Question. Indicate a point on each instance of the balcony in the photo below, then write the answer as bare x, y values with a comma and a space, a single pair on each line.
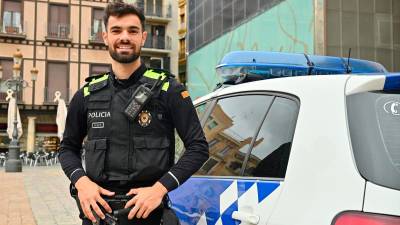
159, 13
160, 44
3, 96
49, 95
12, 31
58, 32
96, 37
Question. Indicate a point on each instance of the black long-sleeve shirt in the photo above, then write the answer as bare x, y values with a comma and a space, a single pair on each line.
183, 116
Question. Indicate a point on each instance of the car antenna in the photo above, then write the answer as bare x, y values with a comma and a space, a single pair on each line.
347, 65
310, 64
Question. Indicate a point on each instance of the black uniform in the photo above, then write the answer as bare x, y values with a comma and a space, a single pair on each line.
123, 154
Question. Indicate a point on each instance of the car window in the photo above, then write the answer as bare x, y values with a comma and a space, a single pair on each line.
179, 146
229, 129
270, 153
374, 125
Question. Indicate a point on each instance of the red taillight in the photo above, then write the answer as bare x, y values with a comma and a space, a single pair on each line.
360, 218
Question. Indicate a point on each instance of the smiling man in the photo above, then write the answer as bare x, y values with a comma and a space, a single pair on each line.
128, 117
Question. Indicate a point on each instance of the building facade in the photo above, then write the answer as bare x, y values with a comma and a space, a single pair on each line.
371, 28
63, 40
182, 40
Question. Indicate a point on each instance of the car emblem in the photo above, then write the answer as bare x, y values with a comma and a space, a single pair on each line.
392, 107
144, 118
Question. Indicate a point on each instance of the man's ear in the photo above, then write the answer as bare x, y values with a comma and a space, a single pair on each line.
105, 38
144, 37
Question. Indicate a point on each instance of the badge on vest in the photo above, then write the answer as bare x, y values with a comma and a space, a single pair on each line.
144, 118
98, 125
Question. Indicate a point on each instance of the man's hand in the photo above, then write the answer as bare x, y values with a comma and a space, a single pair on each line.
146, 200
89, 193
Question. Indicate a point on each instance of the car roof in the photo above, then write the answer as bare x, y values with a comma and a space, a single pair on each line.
297, 86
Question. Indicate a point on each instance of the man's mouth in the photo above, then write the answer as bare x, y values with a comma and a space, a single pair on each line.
124, 47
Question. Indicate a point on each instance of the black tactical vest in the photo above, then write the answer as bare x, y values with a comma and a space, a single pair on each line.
118, 149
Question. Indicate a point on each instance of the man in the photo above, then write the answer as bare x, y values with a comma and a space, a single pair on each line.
128, 154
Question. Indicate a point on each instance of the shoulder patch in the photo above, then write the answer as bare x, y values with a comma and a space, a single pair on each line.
93, 77
97, 86
158, 70
96, 83
185, 94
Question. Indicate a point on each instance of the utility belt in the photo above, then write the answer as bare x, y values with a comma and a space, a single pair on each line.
119, 215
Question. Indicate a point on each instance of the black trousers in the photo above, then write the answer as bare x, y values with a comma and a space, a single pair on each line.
153, 219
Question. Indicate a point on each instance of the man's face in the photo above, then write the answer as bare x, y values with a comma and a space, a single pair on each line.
124, 38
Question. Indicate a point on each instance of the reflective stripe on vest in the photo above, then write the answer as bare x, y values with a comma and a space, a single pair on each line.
100, 79
154, 75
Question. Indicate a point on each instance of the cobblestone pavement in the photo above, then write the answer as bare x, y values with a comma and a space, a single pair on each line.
39, 195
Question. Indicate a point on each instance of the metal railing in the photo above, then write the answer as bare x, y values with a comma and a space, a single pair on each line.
49, 96
163, 10
96, 36
13, 29
158, 42
4, 95
58, 31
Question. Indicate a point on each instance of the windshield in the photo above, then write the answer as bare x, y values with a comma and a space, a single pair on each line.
374, 123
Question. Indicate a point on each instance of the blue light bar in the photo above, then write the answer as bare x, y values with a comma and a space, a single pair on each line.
392, 82
278, 64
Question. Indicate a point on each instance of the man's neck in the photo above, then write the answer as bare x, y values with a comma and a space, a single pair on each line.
124, 71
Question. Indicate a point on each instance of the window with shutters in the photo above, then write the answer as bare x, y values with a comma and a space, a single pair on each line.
57, 80
12, 17
58, 26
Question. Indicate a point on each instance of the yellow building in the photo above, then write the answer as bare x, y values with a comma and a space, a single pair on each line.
62, 39
182, 40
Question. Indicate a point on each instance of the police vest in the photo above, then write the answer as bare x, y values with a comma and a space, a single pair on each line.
118, 149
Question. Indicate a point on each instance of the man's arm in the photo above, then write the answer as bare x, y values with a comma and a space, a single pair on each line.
187, 124
75, 132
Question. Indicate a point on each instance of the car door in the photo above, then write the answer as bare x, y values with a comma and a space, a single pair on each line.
249, 138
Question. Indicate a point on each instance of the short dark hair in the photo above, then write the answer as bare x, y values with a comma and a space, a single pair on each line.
119, 8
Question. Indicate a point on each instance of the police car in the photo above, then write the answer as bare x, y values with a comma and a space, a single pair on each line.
321, 149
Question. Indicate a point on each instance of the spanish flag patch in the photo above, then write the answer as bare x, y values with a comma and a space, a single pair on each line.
185, 94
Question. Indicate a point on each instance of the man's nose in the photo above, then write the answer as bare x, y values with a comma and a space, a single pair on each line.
124, 35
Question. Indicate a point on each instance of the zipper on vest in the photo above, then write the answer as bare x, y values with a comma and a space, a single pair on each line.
131, 167
130, 153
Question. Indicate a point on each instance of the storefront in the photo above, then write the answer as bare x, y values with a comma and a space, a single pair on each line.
46, 137
39, 127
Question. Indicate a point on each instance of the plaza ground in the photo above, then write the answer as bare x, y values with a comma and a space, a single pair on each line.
37, 196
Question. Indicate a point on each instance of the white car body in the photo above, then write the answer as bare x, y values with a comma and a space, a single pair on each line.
322, 179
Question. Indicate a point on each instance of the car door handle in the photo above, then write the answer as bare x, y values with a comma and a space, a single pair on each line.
245, 218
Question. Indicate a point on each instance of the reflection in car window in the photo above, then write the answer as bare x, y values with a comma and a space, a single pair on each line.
179, 147
201, 109
229, 130
270, 153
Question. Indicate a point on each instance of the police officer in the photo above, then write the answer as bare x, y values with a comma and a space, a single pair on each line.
128, 154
